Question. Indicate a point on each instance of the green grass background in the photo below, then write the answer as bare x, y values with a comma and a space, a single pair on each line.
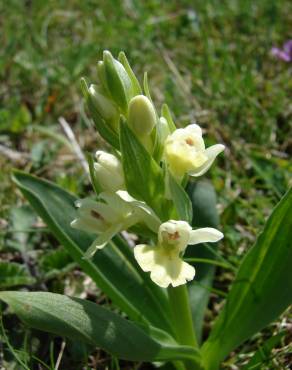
209, 60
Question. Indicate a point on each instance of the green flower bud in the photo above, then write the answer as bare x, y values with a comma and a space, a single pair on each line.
142, 116
105, 107
118, 81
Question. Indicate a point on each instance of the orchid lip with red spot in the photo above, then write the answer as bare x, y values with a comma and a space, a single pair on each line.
164, 260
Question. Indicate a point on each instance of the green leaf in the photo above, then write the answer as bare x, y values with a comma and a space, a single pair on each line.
83, 320
118, 81
180, 199
165, 112
13, 274
157, 139
262, 289
144, 177
270, 172
113, 268
263, 354
135, 83
203, 199
146, 87
94, 181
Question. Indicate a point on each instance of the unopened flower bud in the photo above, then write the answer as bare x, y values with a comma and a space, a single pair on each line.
105, 107
109, 171
142, 117
118, 81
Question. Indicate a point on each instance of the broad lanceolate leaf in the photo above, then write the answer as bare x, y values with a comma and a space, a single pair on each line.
203, 198
144, 178
113, 268
262, 289
82, 320
180, 199
13, 274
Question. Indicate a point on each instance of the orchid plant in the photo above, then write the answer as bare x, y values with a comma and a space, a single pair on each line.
147, 184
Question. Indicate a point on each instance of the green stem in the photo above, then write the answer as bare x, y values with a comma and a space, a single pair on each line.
182, 319
182, 315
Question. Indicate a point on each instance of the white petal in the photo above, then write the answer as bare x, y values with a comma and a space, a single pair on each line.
109, 214
205, 235
85, 203
116, 203
194, 129
173, 272
88, 225
211, 153
96, 212
102, 240
178, 233
176, 135
160, 277
88, 207
151, 220
149, 259
144, 212
125, 196
165, 271
187, 273
145, 256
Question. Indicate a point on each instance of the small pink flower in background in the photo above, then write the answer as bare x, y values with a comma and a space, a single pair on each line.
285, 53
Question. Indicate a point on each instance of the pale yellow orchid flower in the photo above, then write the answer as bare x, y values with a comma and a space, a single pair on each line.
114, 213
164, 260
185, 152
